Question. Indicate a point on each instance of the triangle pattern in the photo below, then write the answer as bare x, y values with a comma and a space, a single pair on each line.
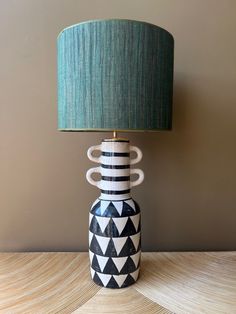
104, 205
135, 220
128, 210
94, 226
128, 281
97, 280
91, 256
136, 240
129, 267
95, 247
128, 248
139, 226
90, 218
137, 208
102, 260
103, 222
118, 206
112, 284
111, 230
96, 210
111, 211
111, 268
129, 228
92, 271
119, 262
104, 278
120, 279
130, 202
135, 274
90, 237
111, 250
95, 203
95, 264
119, 243
136, 258
103, 242
120, 223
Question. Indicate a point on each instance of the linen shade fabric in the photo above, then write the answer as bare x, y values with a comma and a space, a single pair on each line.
115, 75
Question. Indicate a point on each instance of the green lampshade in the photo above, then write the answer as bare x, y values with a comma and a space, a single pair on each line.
115, 75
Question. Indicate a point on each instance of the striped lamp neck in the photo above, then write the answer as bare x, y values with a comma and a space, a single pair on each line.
115, 170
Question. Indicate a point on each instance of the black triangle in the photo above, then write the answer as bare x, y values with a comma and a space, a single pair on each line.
95, 264
128, 248
112, 284
129, 229
139, 226
95, 247
128, 281
94, 226
96, 209
110, 268
97, 280
111, 230
137, 208
127, 210
111, 250
111, 211
129, 267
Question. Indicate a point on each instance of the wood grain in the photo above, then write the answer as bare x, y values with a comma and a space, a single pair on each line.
38, 283
44, 282
122, 301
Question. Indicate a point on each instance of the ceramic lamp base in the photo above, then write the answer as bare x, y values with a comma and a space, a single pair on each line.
114, 219
114, 242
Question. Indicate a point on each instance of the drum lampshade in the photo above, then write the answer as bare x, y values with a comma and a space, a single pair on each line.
115, 75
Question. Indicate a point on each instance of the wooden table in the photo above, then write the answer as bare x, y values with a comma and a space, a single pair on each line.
186, 283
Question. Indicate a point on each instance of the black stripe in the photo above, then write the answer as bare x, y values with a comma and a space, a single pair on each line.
113, 154
117, 141
106, 178
115, 166
115, 192
125, 199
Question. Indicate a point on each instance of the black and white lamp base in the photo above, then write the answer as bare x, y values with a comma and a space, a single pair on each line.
114, 219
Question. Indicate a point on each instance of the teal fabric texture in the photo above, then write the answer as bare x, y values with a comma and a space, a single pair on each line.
115, 75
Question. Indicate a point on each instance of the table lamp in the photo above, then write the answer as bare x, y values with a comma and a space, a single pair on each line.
115, 75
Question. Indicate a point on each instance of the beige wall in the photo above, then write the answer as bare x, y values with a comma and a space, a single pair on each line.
188, 199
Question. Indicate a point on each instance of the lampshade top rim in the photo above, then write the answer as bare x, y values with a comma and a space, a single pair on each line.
113, 19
